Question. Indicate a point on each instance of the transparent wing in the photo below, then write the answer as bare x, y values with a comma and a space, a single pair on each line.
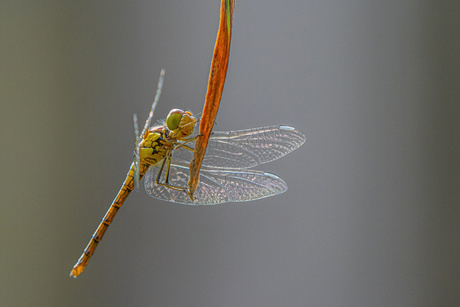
242, 149
216, 186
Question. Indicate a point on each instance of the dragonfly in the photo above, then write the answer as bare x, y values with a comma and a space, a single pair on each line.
163, 153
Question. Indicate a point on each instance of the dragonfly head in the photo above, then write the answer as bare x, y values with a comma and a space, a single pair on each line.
180, 123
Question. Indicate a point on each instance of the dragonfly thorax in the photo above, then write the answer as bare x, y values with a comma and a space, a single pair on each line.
154, 146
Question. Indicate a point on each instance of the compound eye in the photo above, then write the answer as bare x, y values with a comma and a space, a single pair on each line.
173, 119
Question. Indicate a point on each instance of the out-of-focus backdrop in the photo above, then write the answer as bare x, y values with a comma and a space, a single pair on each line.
372, 214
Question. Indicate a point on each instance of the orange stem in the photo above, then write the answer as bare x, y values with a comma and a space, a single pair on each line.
216, 82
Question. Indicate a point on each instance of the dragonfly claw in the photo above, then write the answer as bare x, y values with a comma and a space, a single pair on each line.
190, 195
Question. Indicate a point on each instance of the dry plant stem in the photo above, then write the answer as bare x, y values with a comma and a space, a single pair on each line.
216, 82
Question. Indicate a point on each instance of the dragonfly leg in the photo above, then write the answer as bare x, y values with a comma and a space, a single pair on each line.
167, 161
187, 147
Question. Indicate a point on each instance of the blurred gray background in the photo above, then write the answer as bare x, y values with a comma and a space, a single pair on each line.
372, 215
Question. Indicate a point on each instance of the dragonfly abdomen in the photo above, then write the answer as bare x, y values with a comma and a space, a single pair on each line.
126, 188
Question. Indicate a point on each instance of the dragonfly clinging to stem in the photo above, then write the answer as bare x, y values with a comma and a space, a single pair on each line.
163, 153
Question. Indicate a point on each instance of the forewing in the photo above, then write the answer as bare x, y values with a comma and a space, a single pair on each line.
216, 186
242, 149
